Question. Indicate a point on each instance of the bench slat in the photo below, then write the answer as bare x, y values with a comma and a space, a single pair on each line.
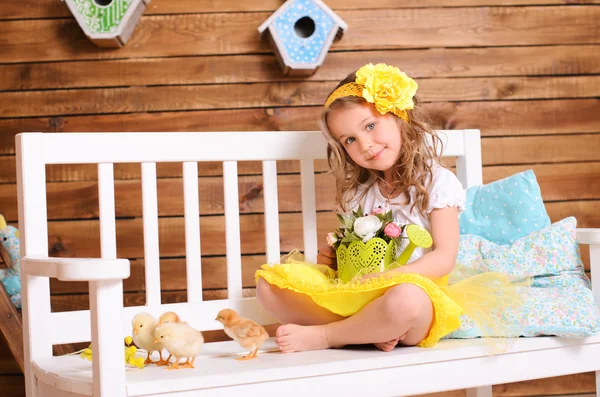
232, 230
150, 217
271, 211
106, 209
192, 232
309, 214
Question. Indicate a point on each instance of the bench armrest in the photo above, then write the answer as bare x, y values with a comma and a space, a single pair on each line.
588, 236
76, 269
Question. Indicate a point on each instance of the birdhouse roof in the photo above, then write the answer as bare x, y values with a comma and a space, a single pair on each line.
289, 3
100, 21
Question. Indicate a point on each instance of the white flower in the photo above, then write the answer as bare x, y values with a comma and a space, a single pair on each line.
367, 224
368, 237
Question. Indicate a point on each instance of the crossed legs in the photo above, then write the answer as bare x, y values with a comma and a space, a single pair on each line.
402, 315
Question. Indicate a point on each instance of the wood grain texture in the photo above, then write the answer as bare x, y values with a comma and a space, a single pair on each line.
236, 33
12, 327
71, 238
12, 385
8, 364
502, 118
50, 9
493, 118
79, 200
420, 63
206, 97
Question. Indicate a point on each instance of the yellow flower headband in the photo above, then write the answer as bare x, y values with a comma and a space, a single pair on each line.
389, 89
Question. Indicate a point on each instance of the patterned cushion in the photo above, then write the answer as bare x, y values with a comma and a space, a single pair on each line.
548, 251
560, 302
564, 307
505, 210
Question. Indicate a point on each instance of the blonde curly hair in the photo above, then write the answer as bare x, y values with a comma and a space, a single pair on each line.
413, 167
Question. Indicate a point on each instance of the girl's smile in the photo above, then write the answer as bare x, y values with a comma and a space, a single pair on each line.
377, 155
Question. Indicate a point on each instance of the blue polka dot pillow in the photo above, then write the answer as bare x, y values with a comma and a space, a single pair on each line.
505, 210
561, 301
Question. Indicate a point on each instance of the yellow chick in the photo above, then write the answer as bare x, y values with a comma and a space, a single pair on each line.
181, 341
246, 332
143, 326
168, 317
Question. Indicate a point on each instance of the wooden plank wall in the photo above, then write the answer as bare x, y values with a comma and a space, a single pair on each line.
525, 72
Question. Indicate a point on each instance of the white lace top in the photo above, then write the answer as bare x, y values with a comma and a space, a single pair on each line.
445, 190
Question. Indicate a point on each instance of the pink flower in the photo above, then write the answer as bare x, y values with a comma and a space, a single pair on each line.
332, 238
378, 211
392, 230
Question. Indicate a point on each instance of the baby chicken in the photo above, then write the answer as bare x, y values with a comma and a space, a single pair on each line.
144, 325
181, 341
246, 332
168, 317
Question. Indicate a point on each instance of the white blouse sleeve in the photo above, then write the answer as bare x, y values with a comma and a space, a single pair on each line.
445, 190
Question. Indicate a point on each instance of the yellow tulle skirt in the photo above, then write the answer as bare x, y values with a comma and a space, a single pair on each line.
474, 296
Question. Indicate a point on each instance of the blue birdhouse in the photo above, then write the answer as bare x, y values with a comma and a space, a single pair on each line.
107, 23
301, 32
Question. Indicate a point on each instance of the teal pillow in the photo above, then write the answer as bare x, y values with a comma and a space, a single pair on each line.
505, 210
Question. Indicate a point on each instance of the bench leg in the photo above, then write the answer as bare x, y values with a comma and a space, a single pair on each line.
485, 391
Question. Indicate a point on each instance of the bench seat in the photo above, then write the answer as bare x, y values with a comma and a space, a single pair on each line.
458, 364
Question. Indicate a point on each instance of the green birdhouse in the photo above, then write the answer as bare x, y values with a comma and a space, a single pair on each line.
107, 23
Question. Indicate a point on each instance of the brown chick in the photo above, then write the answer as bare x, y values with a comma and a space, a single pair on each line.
246, 332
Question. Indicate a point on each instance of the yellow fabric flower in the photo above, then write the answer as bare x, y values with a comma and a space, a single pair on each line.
389, 89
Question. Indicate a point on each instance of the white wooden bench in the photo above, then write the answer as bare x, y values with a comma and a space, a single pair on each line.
452, 364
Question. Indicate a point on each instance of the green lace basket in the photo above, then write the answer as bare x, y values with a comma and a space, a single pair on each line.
376, 255
361, 258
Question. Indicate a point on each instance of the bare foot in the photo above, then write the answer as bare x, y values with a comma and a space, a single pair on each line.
387, 346
298, 338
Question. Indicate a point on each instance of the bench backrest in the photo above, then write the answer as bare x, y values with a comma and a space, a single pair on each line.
36, 150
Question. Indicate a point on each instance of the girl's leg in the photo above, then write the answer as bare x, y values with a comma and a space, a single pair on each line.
291, 307
403, 310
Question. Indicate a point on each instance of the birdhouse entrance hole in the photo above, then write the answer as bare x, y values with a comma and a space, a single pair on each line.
103, 3
304, 27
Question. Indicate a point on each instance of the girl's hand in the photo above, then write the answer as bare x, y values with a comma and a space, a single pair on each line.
387, 273
327, 256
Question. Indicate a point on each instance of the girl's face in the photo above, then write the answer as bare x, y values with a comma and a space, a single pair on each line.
370, 138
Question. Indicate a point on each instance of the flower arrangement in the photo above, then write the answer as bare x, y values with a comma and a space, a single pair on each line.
365, 243
358, 226
368, 243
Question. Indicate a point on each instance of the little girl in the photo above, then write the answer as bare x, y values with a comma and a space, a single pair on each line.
383, 155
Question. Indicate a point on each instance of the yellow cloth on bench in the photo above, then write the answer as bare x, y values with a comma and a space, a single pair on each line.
474, 296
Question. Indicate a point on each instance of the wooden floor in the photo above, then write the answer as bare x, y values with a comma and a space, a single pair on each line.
525, 72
